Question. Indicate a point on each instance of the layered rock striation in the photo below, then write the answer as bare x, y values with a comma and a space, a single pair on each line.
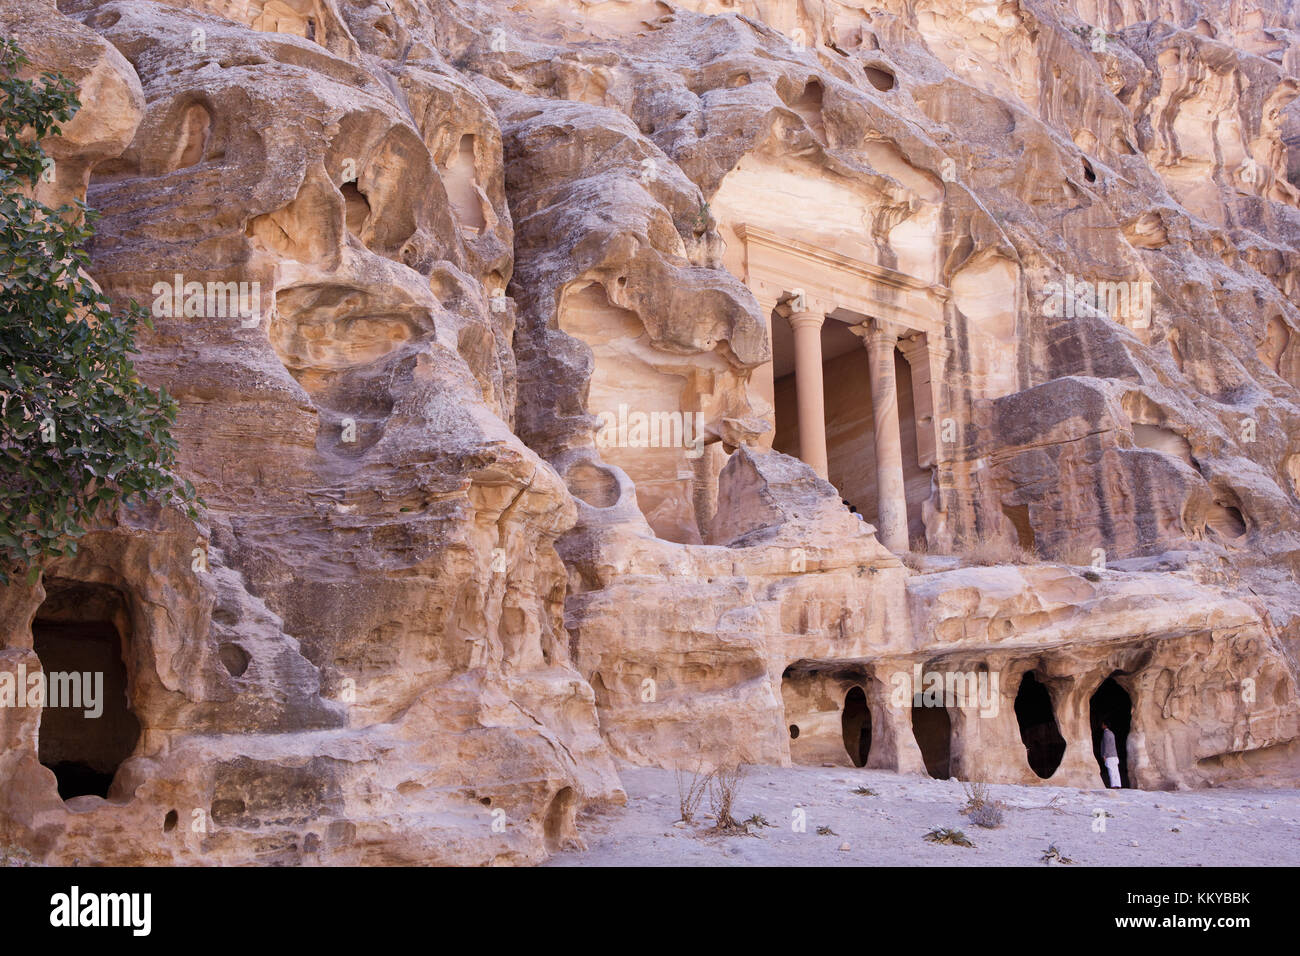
534, 360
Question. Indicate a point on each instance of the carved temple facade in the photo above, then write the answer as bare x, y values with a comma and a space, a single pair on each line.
830, 318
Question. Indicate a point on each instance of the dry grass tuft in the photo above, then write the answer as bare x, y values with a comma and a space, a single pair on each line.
995, 551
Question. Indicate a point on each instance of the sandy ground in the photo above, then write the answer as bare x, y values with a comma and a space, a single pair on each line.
1144, 828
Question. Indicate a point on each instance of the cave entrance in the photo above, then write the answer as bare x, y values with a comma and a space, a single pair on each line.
1112, 704
87, 728
932, 729
856, 723
1044, 745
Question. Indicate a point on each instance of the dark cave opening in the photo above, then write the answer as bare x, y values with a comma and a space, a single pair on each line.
1039, 732
1112, 704
856, 723
932, 729
87, 728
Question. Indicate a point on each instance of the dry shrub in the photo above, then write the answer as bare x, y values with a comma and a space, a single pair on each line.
914, 556
724, 786
977, 795
977, 551
982, 809
690, 791
913, 560
993, 551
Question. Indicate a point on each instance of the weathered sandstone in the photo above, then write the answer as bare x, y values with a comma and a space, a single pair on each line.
501, 460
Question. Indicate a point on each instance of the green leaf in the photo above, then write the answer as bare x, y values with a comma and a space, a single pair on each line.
64, 354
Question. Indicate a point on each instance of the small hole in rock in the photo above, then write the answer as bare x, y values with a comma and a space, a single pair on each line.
234, 658
356, 208
881, 78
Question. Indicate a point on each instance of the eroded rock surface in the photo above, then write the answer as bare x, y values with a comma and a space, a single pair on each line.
494, 391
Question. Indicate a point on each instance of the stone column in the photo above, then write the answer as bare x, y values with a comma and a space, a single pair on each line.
891, 493
808, 388
762, 380
926, 363
704, 494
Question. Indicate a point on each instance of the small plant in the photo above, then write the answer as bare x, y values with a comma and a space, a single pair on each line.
982, 809
1054, 855
15, 856
949, 837
995, 551
1091, 576
703, 217
977, 795
724, 786
989, 816
826, 831
758, 822
865, 792
986, 552
690, 791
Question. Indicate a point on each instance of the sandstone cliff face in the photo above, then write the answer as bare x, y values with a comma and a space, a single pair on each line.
441, 584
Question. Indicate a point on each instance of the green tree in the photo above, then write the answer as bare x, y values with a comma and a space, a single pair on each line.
79, 431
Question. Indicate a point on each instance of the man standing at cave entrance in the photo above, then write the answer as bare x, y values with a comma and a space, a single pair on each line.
1110, 755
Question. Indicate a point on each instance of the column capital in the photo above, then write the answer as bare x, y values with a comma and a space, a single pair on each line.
914, 343
917, 343
876, 332
800, 320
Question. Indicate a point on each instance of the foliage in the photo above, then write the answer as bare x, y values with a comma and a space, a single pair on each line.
79, 431
948, 836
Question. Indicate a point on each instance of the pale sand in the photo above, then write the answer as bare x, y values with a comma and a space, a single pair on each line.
1146, 828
